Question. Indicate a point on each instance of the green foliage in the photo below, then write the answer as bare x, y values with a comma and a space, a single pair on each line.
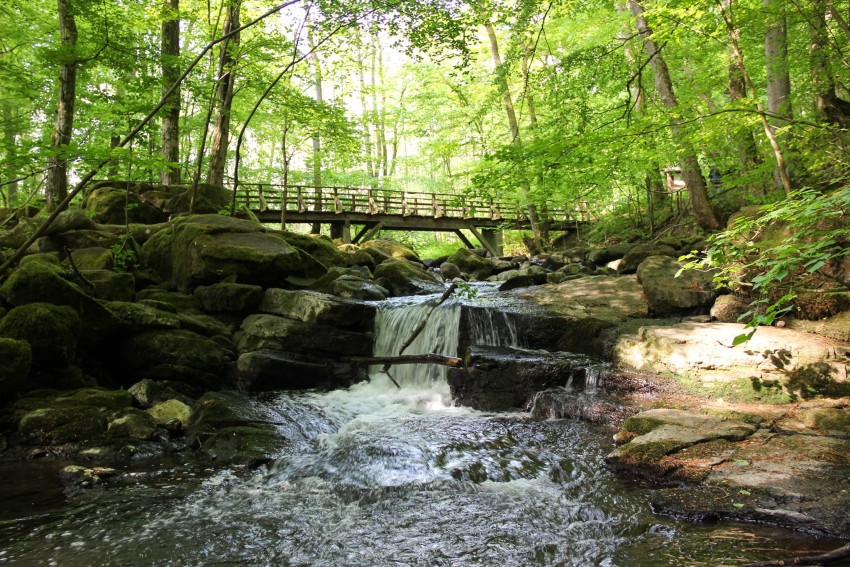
768, 252
126, 259
466, 290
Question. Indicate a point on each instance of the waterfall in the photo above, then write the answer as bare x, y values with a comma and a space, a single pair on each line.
395, 323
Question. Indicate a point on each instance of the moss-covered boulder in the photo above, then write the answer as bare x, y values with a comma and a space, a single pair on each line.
668, 291
641, 252
406, 278
319, 247
354, 287
15, 368
42, 280
54, 426
179, 355
173, 301
114, 203
94, 258
230, 429
133, 424
169, 410
111, 286
229, 298
270, 332
206, 249
472, 264
52, 332
394, 249
147, 393
136, 317
314, 307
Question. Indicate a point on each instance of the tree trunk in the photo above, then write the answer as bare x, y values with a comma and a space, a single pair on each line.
317, 141
732, 32
831, 108
691, 173
367, 136
514, 125
778, 77
11, 131
224, 96
57, 173
170, 73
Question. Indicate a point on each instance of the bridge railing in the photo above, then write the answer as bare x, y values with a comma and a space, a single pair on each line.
372, 201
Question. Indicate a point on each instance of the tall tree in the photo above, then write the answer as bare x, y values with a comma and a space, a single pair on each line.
507, 100
778, 75
691, 173
224, 94
63, 125
170, 54
317, 139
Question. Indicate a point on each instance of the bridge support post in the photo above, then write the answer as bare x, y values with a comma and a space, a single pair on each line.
491, 240
342, 230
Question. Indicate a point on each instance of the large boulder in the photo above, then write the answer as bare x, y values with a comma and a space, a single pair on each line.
728, 309
94, 258
270, 332
227, 427
206, 249
319, 247
641, 252
271, 370
472, 264
51, 330
354, 287
774, 366
41, 279
109, 285
175, 354
504, 378
314, 307
668, 291
114, 204
392, 248
137, 317
229, 298
57, 425
17, 359
406, 278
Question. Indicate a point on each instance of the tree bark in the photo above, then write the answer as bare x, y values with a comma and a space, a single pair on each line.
11, 130
170, 73
57, 173
778, 77
514, 126
831, 108
732, 32
317, 141
367, 135
224, 96
691, 173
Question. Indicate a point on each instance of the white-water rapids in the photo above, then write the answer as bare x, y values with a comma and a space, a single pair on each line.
379, 476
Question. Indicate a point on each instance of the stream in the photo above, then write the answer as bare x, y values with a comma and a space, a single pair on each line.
378, 476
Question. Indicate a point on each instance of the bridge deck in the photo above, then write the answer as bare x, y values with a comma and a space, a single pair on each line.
379, 209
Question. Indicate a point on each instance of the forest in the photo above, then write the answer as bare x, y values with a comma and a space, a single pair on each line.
547, 104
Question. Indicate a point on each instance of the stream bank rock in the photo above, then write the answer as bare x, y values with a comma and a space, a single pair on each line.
775, 366
735, 466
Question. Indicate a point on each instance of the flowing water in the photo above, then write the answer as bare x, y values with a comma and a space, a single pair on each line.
381, 476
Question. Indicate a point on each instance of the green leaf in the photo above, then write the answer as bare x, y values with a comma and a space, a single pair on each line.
741, 339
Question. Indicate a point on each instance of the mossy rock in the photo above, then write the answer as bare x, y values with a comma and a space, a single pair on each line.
394, 249
137, 317
175, 301
169, 410
313, 307
641, 425
270, 332
134, 424
641, 252
179, 354
98, 398
51, 330
319, 247
114, 204
147, 393
472, 264
111, 286
94, 258
405, 278
54, 426
353, 287
246, 444
229, 298
208, 199
42, 280
15, 368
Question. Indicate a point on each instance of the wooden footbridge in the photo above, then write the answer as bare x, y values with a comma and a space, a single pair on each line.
378, 209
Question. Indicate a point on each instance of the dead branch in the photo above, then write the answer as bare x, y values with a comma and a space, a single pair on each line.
429, 358
823, 559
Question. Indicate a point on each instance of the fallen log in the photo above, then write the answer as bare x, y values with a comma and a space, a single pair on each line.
828, 558
430, 358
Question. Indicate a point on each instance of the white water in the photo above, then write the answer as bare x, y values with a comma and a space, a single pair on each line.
381, 476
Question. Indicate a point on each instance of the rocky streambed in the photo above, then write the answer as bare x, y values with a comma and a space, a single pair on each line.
113, 367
